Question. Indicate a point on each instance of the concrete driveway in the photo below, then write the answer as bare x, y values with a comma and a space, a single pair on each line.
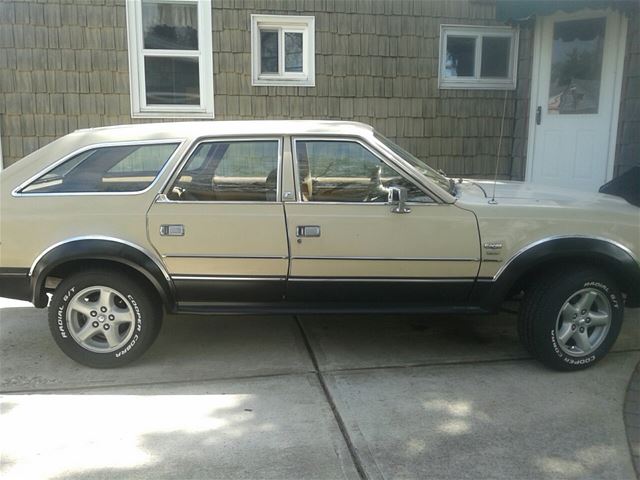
313, 397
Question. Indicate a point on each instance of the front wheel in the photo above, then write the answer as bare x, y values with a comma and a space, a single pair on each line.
571, 320
103, 319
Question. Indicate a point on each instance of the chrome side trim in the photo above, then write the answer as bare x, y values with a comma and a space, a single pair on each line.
383, 279
399, 259
179, 141
506, 264
249, 257
101, 237
323, 279
225, 278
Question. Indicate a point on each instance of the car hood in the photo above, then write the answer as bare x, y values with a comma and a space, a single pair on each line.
512, 192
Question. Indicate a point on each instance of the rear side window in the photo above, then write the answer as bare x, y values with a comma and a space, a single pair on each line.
233, 171
126, 168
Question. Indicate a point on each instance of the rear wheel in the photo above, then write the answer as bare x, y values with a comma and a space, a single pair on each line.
103, 319
570, 320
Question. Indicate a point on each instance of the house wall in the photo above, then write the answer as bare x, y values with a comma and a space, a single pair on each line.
628, 144
64, 65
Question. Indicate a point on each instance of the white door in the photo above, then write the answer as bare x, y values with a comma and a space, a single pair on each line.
575, 98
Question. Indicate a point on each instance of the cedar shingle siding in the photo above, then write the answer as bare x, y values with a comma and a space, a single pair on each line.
64, 65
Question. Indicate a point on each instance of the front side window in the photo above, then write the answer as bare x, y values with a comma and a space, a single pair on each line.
125, 168
474, 57
170, 58
346, 171
229, 171
282, 50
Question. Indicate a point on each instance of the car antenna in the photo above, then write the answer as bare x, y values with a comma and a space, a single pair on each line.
495, 173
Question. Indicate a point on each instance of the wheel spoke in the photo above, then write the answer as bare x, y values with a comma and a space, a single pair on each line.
587, 300
599, 319
112, 336
121, 317
565, 333
582, 340
108, 299
86, 332
569, 311
78, 304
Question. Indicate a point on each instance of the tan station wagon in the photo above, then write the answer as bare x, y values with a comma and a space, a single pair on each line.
121, 224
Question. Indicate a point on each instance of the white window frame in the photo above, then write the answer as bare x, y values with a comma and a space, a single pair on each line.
283, 24
137, 53
476, 82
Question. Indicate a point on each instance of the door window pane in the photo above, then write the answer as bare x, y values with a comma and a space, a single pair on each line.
576, 66
268, 51
461, 53
172, 80
169, 26
495, 57
334, 171
229, 171
293, 52
127, 168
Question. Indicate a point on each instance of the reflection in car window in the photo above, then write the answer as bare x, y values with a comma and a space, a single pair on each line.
126, 168
345, 171
229, 171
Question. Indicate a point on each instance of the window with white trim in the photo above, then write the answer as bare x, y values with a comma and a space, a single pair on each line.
474, 57
170, 58
283, 50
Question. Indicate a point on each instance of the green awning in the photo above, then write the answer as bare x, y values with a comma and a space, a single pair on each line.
509, 11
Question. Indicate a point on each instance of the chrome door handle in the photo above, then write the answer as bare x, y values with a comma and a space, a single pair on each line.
172, 230
308, 231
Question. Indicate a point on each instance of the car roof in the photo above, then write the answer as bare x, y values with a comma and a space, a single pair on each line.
228, 128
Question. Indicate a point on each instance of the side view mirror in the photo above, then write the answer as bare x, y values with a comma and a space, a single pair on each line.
398, 198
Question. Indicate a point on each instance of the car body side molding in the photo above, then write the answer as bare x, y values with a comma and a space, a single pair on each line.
102, 249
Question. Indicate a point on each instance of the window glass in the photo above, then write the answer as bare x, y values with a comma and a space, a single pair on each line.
127, 168
268, 51
282, 50
229, 171
495, 57
172, 80
461, 52
293, 51
167, 26
576, 66
478, 57
343, 171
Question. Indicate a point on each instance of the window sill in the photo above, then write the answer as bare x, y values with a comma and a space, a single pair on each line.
172, 114
282, 82
476, 85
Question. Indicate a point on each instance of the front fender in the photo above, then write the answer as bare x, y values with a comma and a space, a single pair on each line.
613, 258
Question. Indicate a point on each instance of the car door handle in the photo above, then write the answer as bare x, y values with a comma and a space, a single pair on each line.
172, 230
308, 231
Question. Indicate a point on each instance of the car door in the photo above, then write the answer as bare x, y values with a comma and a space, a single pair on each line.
348, 246
220, 227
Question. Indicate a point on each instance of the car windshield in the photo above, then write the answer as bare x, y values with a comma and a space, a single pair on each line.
419, 165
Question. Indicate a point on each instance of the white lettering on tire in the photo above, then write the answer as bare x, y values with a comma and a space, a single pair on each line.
138, 327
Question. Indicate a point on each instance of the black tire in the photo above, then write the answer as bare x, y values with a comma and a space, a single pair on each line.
139, 304
540, 317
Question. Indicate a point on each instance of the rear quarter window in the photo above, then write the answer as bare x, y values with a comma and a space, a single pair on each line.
119, 168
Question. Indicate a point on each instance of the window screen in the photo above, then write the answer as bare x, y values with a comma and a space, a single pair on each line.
126, 168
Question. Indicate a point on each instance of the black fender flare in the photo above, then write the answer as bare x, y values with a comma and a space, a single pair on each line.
112, 250
611, 256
